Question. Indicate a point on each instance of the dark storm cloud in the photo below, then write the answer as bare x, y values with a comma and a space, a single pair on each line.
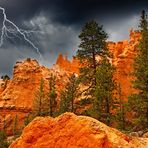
9, 56
57, 24
72, 11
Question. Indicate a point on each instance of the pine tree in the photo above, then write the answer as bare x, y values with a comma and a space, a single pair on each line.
64, 102
138, 103
3, 139
68, 95
27, 119
5, 77
104, 101
121, 110
96, 74
93, 44
45, 102
39, 103
15, 124
4, 123
52, 95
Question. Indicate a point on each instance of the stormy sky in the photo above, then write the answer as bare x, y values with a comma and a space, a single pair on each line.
54, 25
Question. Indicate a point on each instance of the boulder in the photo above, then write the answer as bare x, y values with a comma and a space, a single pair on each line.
71, 131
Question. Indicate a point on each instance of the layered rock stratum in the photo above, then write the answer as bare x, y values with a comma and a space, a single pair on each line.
71, 131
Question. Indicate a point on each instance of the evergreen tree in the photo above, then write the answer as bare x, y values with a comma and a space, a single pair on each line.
52, 95
4, 123
5, 77
96, 74
45, 102
64, 102
27, 120
93, 44
104, 102
15, 124
3, 140
40, 101
138, 102
68, 95
121, 110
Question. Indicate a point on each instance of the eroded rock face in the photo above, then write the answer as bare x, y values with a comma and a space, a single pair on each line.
69, 66
17, 95
69, 130
123, 56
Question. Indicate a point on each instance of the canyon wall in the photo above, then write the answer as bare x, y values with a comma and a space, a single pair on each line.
17, 94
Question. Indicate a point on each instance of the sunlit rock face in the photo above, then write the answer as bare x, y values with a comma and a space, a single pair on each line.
123, 56
71, 131
16, 98
69, 66
124, 53
17, 94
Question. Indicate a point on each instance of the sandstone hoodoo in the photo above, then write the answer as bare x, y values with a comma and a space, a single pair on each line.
69, 66
17, 94
17, 97
124, 53
69, 130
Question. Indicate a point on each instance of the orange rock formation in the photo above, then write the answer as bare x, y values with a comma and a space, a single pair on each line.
16, 98
19, 93
123, 55
71, 131
70, 66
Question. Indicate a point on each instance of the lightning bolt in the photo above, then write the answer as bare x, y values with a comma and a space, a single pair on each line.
5, 30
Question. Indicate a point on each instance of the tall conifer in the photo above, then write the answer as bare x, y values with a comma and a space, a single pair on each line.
138, 102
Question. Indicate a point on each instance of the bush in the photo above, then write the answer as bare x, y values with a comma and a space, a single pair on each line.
85, 101
5, 77
3, 140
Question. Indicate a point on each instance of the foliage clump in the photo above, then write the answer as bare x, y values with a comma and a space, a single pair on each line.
138, 102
